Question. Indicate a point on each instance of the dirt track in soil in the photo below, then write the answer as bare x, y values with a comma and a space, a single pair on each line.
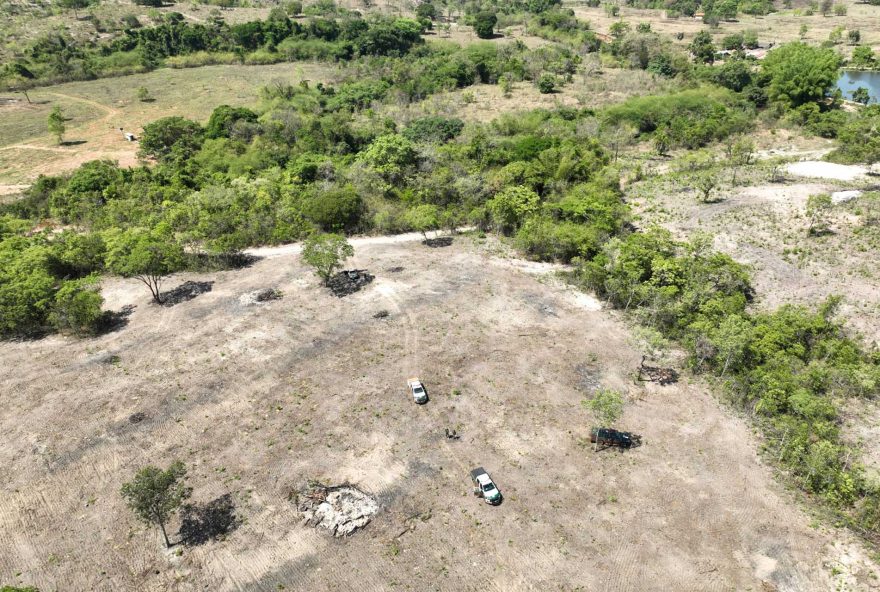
258, 399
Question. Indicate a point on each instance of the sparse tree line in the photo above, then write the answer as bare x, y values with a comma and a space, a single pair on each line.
57, 57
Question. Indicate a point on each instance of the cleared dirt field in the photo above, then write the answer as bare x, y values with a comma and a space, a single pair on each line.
257, 400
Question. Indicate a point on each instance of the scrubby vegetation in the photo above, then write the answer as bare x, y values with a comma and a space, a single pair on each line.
790, 369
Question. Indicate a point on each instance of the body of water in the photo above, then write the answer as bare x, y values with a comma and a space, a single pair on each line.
850, 80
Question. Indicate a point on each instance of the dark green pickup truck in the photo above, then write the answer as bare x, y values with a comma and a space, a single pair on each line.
610, 437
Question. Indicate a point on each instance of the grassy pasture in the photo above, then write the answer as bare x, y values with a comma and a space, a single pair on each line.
97, 109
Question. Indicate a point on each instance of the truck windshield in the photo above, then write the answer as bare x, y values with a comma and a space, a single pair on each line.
488, 487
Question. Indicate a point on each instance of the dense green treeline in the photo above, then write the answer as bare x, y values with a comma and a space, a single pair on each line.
312, 160
321, 159
56, 57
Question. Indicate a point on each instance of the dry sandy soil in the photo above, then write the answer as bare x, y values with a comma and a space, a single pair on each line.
257, 400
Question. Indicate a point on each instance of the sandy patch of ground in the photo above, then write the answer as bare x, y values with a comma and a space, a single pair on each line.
827, 170
259, 399
839, 197
6, 190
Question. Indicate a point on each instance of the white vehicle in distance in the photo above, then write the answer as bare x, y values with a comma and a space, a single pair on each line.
420, 395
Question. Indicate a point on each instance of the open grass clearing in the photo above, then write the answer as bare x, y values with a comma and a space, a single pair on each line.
485, 102
98, 108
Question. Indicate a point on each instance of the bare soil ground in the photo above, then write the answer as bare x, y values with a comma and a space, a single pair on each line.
259, 399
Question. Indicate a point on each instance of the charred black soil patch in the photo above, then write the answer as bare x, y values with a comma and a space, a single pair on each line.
185, 291
137, 417
661, 376
440, 241
349, 281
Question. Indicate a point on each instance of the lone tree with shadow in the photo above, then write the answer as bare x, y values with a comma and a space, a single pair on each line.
423, 218
154, 495
484, 24
55, 123
326, 253
148, 255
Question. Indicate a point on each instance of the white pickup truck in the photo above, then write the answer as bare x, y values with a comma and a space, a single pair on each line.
484, 487
420, 395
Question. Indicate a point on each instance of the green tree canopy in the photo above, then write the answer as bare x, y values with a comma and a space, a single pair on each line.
510, 207
147, 255
606, 407
171, 136
326, 253
27, 289
800, 73
154, 495
77, 309
861, 95
390, 155
336, 209
423, 218
863, 57
223, 117
55, 123
484, 24
702, 48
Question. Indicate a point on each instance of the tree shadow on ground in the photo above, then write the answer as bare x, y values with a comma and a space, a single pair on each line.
72, 142
185, 291
211, 521
114, 320
221, 261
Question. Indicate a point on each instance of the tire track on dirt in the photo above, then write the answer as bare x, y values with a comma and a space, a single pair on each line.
109, 111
